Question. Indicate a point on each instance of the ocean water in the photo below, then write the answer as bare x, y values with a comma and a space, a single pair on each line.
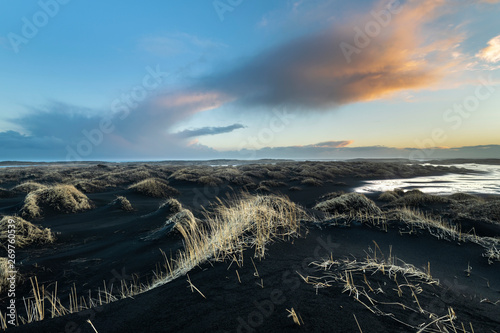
487, 181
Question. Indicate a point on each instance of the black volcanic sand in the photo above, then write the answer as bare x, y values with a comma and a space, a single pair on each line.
107, 244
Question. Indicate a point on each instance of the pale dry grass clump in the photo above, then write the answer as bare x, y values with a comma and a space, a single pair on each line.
210, 181
171, 206
28, 187
493, 253
310, 181
362, 280
90, 186
349, 203
441, 229
154, 187
177, 218
295, 188
122, 203
263, 189
60, 198
247, 222
435, 226
271, 183
167, 208
26, 232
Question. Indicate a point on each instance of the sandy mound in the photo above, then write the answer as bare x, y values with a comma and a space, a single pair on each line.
418, 198
488, 211
183, 217
167, 208
349, 203
465, 197
388, 196
26, 232
90, 186
59, 198
154, 187
28, 187
122, 203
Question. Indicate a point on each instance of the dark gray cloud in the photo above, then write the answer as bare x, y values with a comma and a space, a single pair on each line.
12, 140
189, 133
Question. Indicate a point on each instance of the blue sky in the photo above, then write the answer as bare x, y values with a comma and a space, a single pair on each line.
124, 80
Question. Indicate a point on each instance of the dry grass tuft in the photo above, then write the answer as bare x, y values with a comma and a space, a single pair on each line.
388, 196
122, 203
92, 186
26, 232
210, 181
182, 219
295, 188
399, 279
349, 203
441, 229
167, 208
247, 222
465, 197
418, 198
28, 187
171, 206
154, 187
312, 182
178, 218
60, 198
271, 183
487, 211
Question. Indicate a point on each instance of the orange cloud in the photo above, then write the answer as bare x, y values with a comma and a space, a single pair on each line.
372, 56
193, 101
332, 144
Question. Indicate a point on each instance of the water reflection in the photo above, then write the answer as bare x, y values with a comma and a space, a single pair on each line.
485, 182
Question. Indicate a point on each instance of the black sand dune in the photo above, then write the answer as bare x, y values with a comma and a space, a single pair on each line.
100, 247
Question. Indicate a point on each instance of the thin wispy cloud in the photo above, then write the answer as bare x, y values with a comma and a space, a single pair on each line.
189, 133
167, 45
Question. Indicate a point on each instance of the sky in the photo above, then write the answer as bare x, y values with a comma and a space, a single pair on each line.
317, 79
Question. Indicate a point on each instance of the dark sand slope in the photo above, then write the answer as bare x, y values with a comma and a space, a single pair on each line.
247, 307
99, 247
